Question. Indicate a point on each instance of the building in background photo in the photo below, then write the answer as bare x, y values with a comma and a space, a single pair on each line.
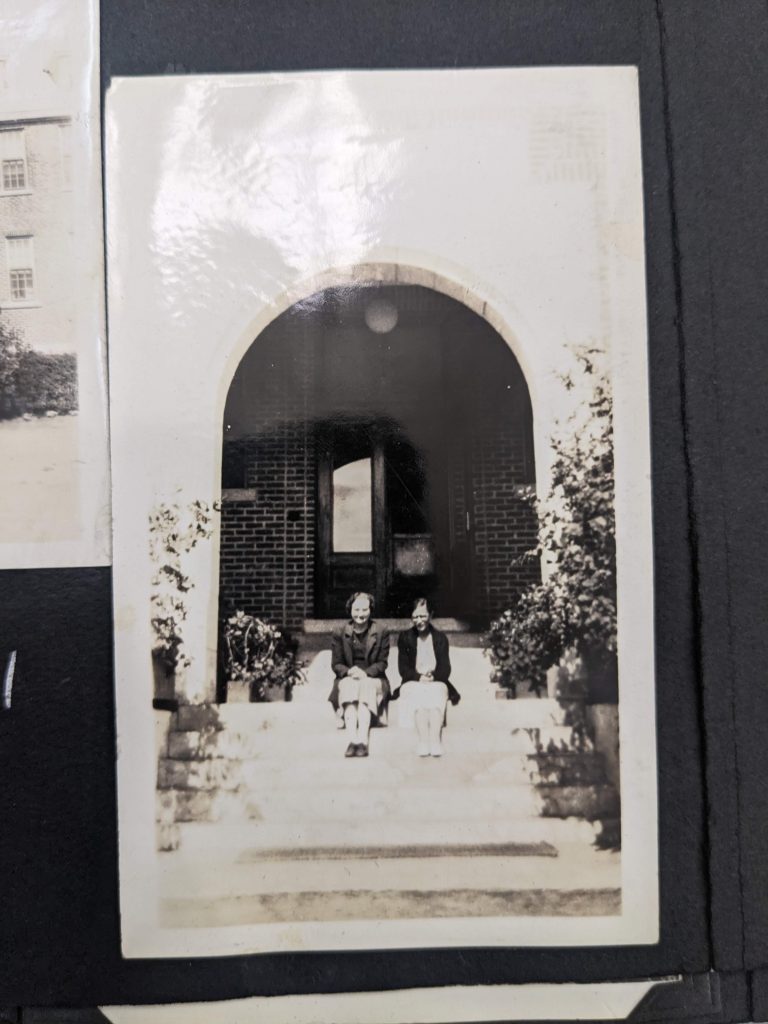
54, 499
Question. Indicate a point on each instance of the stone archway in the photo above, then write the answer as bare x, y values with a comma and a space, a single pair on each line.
422, 396
197, 470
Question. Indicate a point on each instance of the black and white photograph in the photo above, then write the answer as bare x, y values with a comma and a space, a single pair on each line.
54, 503
381, 511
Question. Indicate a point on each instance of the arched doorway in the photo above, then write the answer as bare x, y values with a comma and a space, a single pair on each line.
376, 437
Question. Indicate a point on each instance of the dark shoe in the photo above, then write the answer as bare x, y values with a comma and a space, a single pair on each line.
362, 750
351, 750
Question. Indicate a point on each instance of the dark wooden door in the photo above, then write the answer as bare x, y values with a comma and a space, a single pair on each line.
353, 535
381, 517
457, 555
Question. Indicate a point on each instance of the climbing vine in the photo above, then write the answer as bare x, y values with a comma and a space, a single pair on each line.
173, 533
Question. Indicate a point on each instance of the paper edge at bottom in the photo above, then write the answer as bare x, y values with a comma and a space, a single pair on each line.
464, 1004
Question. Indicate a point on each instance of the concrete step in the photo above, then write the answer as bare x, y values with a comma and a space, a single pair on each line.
308, 715
181, 875
295, 716
551, 739
334, 770
304, 721
428, 803
321, 773
459, 739
246, 840
294, 744
383, 743
397, 904
406, 804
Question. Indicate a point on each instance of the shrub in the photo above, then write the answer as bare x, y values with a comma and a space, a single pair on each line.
259, 654
522, 643
46, 381
573, 610
12, 348
33, 381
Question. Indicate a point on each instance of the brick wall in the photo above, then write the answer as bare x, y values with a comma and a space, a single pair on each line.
267, 540
505, 523
494, 439
268, 532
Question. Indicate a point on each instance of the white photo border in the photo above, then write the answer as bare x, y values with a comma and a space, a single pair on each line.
144, 246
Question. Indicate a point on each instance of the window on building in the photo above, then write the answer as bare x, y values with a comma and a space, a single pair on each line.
21, 267
13, 156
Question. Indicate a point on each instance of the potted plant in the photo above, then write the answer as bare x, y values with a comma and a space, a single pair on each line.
166, 651
521, 645
261, 661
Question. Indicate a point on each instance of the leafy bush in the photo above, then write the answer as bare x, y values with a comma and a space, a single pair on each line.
522, 643
259, 654
33, 381
573, 610
11, 350
47, 381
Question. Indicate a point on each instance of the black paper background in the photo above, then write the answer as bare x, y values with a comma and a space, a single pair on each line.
703, 91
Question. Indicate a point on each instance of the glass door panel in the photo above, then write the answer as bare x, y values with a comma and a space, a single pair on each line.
352, 512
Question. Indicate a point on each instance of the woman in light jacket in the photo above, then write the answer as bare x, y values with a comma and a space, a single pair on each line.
424, 664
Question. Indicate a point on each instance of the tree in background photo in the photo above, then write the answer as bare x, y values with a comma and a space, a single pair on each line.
34, 383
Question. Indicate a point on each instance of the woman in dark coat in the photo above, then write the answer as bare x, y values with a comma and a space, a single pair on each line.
425, 667
359, 655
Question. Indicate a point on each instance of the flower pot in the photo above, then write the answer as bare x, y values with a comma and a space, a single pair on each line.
602, 678
275, 692
590, 677
238, 691
164, 678
570, 681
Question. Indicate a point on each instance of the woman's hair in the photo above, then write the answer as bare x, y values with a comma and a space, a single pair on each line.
355, 596
425, 601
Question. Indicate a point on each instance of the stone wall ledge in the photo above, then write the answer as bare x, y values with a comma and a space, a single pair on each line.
219, 774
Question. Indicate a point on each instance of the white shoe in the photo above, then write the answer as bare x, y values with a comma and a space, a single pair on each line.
423, 750
436, 750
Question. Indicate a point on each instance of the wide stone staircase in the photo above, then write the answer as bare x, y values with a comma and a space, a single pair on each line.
264, 819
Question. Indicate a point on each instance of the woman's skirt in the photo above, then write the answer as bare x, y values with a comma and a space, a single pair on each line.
368, 691
419, 695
